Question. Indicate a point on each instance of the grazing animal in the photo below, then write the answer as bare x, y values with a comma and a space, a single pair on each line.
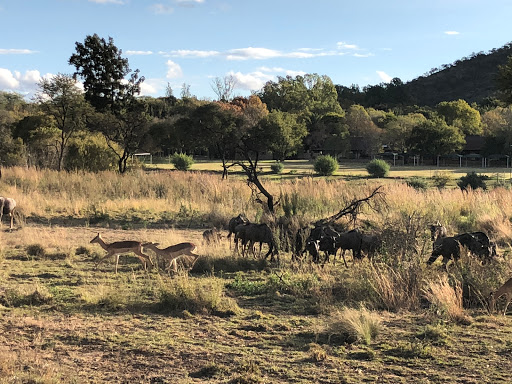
370, 243
234, 222
118, 248
7, 206
301, 240
505, 289
448, 247
350, 240
260, 233
437, 232
212, 236
475, 246
313, 248
241, 236
182, 252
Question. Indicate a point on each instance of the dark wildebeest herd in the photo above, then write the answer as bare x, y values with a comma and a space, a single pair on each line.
322, 241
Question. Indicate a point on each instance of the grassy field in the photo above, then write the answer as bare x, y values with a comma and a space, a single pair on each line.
352, 170
244, 320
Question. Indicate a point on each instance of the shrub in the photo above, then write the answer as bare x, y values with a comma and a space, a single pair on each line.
325, 165
277, 167
182, 161
473, 181
440, 179
89, 153
417, 183
377, 168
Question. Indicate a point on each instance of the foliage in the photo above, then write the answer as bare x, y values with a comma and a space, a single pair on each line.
461, 115
435, 137
61, 99
182, 161
378, 168
440, 179
417, 183
473, 181
284, 132
89, 152
103, 70
277, 167
325, 165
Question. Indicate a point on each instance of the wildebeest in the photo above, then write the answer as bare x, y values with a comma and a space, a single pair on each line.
233, 223
370, 243
477, 243
7, 206
300, 246
260, 233
350, 240
448, 247
212, 236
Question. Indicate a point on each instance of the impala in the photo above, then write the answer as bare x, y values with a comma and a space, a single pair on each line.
118, 248
505, 289
182, 252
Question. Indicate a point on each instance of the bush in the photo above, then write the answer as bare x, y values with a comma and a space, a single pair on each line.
89, 153
182, 161
277, 167
417, 183
440, 179
473, 181
325, 165
377, 168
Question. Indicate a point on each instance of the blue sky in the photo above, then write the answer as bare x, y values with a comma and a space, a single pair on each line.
194, 41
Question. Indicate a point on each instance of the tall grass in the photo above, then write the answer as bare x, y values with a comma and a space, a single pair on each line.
200, 199
445, 299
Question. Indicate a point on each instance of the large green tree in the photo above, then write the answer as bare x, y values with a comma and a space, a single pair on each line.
282, 132
100, 64
461, 115
61, 99
435, 137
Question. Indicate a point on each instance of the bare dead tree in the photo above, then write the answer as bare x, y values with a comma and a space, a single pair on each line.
224, 87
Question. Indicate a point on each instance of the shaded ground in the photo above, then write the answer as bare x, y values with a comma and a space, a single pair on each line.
66, 339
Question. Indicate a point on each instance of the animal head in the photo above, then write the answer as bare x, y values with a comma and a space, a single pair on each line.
436, 230
96, 239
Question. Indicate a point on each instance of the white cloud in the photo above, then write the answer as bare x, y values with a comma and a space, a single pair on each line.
362, 54
107, 1
192, 53
7, 80
147, 88
384, 76
451, 33
189, 3
256, 80
16, 51
252, 53
278, 70
173, 70
161, 9
143, 53
24, 83
251, 81
343, 45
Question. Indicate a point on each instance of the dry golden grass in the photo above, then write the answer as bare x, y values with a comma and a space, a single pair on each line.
447, 300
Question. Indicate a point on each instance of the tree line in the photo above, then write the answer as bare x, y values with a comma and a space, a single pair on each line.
100, 126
